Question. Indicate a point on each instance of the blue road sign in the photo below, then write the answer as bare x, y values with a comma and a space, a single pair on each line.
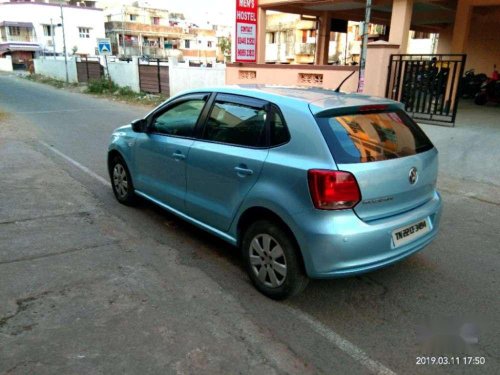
104, 46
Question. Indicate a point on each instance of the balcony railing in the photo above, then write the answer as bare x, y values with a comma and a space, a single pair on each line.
304, 48
141, 28
20, 38
136, 50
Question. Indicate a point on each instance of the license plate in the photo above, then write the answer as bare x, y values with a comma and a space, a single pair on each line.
409, 233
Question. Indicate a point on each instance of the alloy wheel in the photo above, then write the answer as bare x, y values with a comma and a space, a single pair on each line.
120, 181
268, 260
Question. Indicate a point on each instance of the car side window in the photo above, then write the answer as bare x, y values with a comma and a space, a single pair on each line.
179, 120
236, 124
279, 131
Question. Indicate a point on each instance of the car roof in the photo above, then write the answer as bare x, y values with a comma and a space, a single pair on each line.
317, 99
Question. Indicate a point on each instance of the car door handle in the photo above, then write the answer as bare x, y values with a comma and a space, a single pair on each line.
177, 155
241, 170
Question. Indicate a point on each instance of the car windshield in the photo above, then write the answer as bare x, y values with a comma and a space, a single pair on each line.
367, 137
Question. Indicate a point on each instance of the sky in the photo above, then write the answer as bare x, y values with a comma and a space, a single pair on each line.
199, 11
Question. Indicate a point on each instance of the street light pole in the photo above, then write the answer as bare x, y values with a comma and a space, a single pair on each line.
52, 32
362, 60
64, 43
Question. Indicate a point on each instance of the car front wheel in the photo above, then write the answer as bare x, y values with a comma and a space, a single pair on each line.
122, 182
273, 260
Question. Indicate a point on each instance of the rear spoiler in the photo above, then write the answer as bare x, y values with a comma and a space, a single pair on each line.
366, 108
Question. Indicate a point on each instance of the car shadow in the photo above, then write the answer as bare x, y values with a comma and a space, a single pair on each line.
375, 289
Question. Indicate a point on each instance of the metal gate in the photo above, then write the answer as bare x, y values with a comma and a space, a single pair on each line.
89, 69
428, 85
154, 76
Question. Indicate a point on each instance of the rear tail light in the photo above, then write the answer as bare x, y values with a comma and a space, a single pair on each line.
333, 190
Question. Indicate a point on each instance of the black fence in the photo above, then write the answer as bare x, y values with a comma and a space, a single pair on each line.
154, 76
428, 85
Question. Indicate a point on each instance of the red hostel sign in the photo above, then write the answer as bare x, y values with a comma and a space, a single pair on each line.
246, 30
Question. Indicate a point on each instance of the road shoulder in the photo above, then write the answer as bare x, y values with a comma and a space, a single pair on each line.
80, 296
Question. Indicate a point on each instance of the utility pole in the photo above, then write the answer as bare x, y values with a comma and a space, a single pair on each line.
52, 32
64, 43
123, 31
362, 60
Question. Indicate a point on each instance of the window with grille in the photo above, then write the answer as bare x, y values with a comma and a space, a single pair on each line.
84, 32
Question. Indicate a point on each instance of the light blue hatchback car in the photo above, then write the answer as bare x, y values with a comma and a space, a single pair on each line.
308, 183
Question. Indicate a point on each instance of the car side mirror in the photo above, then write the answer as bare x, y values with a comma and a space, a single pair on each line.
139, 125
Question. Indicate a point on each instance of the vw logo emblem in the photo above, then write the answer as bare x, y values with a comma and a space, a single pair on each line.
413, 175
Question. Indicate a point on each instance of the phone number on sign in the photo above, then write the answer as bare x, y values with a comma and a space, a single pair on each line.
443, 361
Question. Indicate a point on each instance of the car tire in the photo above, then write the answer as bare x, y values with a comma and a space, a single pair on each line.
121, 182
273, 260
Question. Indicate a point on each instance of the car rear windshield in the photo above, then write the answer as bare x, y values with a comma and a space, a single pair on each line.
367, 137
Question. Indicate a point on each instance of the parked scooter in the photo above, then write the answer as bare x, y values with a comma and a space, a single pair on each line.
490, 90
471, 83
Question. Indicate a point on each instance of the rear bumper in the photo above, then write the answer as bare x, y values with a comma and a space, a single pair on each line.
339, 244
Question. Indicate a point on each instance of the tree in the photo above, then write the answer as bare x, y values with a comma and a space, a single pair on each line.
225, 47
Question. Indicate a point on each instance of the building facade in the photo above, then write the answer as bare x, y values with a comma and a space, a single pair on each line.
444, 28
35, 27
291, 39
139, 30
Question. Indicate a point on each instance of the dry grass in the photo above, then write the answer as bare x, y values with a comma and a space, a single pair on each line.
3, 115
16, 127
50, 81
103, 88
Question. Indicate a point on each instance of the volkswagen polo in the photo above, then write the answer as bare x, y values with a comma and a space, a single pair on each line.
308, 183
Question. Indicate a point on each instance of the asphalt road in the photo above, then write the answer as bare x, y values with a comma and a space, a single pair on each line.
385, 320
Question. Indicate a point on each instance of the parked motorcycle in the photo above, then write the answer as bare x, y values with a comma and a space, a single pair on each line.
471, 83
490, 90
424, 85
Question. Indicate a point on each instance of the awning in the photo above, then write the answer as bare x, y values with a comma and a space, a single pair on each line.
28, 25
9, 47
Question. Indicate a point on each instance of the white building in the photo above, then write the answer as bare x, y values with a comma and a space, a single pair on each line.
35, 26
140, 30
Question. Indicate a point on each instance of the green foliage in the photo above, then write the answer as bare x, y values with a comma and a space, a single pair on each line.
108, 88
126, 91
55, 83
225, 45
101, 86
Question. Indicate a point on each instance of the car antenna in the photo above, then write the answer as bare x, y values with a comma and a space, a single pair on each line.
345, 79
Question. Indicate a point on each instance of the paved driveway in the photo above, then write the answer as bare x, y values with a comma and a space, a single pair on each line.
471, 150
